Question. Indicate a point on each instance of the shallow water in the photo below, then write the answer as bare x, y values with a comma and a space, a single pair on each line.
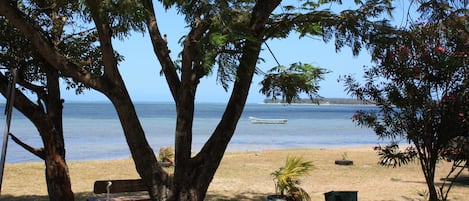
93, 132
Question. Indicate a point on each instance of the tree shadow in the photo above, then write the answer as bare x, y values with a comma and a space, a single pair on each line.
83, 196
239, 197
461, 180
78, 197
24, 198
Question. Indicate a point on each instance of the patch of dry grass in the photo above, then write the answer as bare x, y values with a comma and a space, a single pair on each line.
246, 176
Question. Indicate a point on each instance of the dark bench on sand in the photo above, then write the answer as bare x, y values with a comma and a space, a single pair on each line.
112, 187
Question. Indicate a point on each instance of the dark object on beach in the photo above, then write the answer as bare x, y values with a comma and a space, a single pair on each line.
166, 164
109, 187
166, 156
341, 196
343, 162
276, 198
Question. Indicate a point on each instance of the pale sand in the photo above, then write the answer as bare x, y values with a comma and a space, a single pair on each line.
246, 176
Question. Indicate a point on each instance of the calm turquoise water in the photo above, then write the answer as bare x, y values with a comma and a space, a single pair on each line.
93, 132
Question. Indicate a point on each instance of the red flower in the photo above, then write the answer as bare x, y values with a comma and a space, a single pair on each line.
356, 116
440, 49
403, 52
447, 97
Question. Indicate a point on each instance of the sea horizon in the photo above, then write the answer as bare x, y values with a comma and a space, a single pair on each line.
92, 131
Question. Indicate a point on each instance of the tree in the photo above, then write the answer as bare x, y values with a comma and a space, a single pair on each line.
37, 77
55, 20
224, 34
420, 84
289, 82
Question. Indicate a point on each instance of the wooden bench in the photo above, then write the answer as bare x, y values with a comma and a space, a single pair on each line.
110, 187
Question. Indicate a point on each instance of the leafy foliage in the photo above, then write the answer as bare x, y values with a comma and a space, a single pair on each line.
123, 16
58, 21
420, 83
353, 27
457, 150
14, 52
391, 155
227, 34
287, 178
166, 154
224, 34
289, 83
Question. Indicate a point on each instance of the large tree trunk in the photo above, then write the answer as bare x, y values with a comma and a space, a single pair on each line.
110, 84
58, 178
193, 175
49, 126
46, 114
154, 177
57, 174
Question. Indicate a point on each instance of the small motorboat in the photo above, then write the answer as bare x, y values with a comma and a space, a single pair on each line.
255, 120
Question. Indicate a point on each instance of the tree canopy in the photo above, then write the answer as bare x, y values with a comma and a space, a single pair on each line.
225, 37
420, 83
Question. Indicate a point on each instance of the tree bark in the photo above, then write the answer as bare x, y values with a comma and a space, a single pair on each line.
427, 159
111, 84
193, 175
56, 169
154, 177
57, 174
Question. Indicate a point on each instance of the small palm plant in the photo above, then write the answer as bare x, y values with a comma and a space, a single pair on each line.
166, 156
287, 179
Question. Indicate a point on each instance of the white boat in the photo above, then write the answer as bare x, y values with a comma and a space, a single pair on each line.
255, 120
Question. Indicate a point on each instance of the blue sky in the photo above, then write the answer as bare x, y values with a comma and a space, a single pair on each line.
140, 69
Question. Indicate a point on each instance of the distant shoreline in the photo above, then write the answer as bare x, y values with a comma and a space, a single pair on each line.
323, 101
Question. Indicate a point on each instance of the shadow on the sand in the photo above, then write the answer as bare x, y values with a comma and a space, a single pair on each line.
240, 197
462, 180
24, 198
78, 197
84, 196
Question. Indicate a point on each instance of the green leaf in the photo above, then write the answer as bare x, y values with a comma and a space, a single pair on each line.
218, 39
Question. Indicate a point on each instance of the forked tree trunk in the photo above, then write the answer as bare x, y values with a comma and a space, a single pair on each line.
49, 125
432, 193
428, 161
193, 174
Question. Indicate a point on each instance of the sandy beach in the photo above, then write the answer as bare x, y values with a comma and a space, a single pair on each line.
246, 176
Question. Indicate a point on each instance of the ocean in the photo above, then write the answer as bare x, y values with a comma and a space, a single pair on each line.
92, 130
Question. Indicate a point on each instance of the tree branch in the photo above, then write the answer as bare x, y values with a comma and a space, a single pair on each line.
40, 40
39, 152
214, 148
191, 64
105, 39
160, 48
